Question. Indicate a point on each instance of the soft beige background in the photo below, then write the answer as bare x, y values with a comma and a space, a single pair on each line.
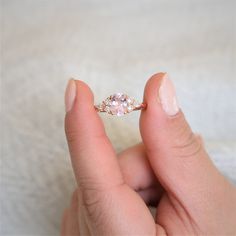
113, 46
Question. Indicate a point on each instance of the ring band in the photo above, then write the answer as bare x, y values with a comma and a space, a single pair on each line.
119, 104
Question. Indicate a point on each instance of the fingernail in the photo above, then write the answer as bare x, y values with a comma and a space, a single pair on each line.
70, 95
167, 96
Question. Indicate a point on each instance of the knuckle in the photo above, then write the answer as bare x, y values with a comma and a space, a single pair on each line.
187, 146
183, 142
89, 191
93, 203
97, 200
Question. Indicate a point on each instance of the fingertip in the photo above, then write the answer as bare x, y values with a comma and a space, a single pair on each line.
154, 82
83, 119
78, 96
152, 116
84, 96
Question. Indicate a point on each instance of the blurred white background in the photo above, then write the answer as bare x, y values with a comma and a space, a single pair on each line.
113, 46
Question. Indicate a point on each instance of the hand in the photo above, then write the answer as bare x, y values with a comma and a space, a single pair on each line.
169, 170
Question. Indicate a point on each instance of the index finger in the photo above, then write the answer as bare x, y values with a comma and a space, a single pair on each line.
93, 157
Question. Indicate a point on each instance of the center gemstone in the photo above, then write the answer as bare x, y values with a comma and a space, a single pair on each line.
119, 104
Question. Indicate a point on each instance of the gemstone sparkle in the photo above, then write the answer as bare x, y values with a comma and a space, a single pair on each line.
119, 104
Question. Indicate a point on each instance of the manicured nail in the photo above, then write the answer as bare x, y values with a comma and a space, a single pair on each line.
70, 95
167, 96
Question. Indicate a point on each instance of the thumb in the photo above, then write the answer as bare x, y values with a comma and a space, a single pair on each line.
176, 154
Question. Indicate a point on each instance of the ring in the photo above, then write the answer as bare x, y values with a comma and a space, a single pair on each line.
119, 104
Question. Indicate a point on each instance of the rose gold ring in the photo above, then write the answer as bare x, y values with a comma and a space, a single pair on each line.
119, 104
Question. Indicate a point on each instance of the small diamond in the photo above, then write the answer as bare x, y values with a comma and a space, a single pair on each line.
119, 104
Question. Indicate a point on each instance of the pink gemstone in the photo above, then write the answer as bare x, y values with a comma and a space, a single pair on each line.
119, 104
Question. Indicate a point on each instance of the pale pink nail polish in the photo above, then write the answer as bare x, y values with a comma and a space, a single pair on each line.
70, 95
167, 96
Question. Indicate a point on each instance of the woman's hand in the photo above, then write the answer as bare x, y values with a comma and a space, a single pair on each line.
169, 170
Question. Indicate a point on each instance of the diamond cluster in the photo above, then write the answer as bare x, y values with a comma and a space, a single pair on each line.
118, 104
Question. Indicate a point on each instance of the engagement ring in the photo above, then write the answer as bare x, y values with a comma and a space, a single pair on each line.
119, 104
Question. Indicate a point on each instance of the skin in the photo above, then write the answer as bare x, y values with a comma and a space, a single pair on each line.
169, 170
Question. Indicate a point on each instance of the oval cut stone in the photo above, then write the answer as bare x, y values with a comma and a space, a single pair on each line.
119, 104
